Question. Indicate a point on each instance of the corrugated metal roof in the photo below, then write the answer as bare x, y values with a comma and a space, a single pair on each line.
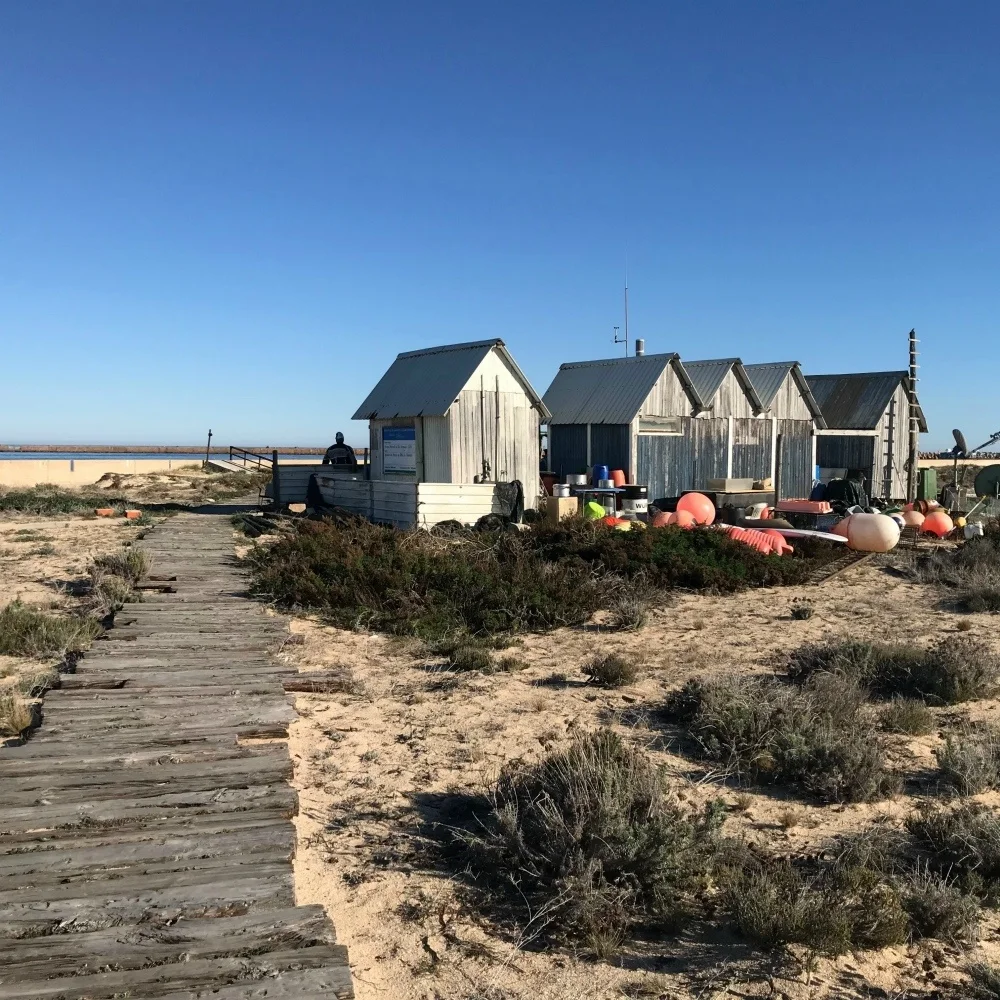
609, 391
857, 401
708, 377
425, 383
768, 378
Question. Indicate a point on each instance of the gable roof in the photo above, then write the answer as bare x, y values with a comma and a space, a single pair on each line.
856, 401
425, 383
769, 377
610, 391
708, 377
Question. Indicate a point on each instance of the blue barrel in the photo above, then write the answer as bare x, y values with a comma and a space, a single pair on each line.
600, 472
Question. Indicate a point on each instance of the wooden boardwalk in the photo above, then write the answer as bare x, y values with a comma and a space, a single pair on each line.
146, 840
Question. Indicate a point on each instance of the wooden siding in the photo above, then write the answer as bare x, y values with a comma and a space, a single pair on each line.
567, 449
789, 403
293, 479
609, 445
847, 452
407, 504
731, 400
668, 464
751, 448
667, 398
515, 455
797, 470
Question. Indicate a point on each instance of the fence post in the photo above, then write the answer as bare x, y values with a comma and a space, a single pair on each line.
208, 447
275, 478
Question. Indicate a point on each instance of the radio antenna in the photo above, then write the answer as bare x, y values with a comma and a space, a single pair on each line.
619, 340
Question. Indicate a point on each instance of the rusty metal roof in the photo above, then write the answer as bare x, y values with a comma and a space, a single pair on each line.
708, 377
609, 391
425, 383
768, 378
857, 401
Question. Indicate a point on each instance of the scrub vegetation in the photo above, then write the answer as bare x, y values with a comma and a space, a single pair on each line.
488, 584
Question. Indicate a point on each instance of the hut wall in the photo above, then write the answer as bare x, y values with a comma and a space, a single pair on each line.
752, 447
731, 399
893, 448
789, 404
507, 438
847, 451
609, 445
797, 468
671, 463
567, 449
667, 398
433, 449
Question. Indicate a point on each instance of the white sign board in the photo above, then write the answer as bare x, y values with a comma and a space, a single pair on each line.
399, 449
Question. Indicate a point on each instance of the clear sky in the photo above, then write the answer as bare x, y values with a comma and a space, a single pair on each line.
234, 214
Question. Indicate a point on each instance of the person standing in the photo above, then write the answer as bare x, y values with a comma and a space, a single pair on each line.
341, 454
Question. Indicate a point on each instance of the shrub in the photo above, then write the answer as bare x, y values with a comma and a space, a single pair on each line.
962, 843
108, 593
958, 668
841, 908
611, 670
907, 716
29, 632
802, 612
984, 982
971, 571
590, 837
627, 610
47, 500
816, 737
969, 760
15, 714
938, 908
129, 564
471, 658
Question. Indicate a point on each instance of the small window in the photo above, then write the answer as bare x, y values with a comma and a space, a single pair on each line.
660, 425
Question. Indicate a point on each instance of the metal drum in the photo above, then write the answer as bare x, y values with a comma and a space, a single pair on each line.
635, 501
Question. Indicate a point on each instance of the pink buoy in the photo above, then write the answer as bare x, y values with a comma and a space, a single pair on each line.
872, 533
913, 518
841, 527
684, 519
662, 519
698, 506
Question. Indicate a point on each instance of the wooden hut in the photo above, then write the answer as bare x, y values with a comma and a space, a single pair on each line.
868, 421
461, 413
791, 418
642, 415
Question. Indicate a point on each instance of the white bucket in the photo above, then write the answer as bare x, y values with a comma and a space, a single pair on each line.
576, 479
560, 490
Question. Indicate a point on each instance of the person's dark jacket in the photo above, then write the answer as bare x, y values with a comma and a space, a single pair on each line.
341, 454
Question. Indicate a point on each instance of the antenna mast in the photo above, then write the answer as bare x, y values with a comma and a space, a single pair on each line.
618, 340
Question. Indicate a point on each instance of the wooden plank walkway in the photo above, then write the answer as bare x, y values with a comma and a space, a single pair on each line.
145, 846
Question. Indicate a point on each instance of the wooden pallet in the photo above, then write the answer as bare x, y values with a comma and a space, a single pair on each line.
144, 850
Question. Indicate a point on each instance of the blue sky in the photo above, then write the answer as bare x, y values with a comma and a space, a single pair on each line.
235, 214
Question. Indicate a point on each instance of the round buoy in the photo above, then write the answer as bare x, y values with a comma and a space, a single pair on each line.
684, 518
913, 518
872, 533
840, 528
938, 523
698, 506
662, 519
960, 522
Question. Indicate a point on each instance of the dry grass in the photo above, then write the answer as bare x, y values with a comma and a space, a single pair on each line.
32, 633
16, 714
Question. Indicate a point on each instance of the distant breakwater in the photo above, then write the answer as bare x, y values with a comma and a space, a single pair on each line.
145, 449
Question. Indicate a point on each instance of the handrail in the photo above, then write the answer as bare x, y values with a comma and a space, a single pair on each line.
250, 457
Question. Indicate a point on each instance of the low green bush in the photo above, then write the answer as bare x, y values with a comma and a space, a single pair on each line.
129, 564
961, 843
591, 838
907, 716
984, 983
958, 668
30, 632
48, 500
969, 759
817, 737
938, 908
611, 670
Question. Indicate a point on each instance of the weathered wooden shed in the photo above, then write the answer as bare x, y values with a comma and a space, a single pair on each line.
868, 420
642, 415
791, 416
460, 413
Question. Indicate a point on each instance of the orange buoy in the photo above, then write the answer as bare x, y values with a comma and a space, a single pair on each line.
684, 518
913, 518
618, 477
937, 523
698, 506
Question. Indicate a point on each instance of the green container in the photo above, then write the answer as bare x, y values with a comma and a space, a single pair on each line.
927, 484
